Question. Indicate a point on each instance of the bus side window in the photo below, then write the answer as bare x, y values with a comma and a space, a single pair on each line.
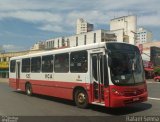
12, 66
79, 62
47, 63
61, 64
26, 65
36, 64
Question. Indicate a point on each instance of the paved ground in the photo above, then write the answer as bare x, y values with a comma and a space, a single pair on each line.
14, 103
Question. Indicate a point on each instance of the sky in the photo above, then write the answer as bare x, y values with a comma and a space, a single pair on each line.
25, 22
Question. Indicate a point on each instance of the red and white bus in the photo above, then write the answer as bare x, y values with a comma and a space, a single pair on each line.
108, 74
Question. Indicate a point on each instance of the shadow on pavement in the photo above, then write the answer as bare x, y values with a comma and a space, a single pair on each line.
111, 111
50, 98
123, 110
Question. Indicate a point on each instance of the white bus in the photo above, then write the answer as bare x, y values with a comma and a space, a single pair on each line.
108, 74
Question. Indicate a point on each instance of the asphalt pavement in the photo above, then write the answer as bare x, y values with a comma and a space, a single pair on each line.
13, 103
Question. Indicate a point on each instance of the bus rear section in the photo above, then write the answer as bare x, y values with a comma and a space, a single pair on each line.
106, 74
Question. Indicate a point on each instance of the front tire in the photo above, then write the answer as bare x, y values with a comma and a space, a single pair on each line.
81, 98
29, 89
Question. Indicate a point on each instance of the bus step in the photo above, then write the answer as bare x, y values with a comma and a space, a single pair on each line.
98, 103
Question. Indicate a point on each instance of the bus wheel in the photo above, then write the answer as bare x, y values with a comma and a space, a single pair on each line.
81, 98
28, 89
157, 80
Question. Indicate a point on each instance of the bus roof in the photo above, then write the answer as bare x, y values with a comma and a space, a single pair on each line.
65, 50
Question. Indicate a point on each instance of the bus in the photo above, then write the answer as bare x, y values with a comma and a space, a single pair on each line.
107, 74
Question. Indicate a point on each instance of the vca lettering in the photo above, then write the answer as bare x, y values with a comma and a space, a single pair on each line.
48, 76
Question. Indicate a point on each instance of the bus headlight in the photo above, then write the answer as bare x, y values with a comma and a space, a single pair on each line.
117, 93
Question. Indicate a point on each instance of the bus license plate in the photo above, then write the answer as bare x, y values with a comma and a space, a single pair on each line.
135, 99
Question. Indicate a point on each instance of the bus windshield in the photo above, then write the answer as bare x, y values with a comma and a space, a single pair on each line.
126, 67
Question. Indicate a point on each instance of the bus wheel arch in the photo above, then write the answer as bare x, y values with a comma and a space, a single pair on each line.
28, 88
80, 97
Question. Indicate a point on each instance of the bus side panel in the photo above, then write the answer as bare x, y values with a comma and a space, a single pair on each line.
22, 84
55, 88
12, 83
52, 88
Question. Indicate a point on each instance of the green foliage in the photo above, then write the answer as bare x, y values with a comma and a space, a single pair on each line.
157, 70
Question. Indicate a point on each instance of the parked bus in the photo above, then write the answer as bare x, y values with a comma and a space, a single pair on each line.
107, 74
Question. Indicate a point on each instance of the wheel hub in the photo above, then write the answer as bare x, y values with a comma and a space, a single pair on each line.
81, 98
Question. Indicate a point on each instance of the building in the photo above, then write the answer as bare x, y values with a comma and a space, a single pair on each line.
128, 25
38, 46
91, 37
4, 62
80, 39
82, 26
55, 43
5, 58
146, 49
143, 36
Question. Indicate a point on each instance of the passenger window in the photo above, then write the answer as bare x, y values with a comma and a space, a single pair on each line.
47, 63
36, 64
61, 64
26, 65
79, 62
12, 66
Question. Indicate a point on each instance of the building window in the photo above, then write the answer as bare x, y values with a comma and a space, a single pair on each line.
63, 42
4, 59
53, 43
26, 65
102, 34
94, 38
68, 44
61, 64
36, 64
47, 45
58, 43
50, 44
85, 39
47, 63
76, 41
78, 62
12, 66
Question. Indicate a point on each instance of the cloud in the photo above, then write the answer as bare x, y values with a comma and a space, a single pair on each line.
149, 20
10, 47
46, 21
11, 5
53, 12
52, 27
61, 15
32, 16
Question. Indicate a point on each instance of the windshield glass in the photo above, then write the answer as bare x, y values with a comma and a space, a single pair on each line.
126, 67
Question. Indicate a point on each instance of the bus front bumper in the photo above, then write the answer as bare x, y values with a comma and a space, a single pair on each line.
122, 101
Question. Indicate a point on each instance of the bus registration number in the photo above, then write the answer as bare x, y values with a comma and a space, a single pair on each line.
135, 99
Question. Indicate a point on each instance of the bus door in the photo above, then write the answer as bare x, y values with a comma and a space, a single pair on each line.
99, 79
17, 74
